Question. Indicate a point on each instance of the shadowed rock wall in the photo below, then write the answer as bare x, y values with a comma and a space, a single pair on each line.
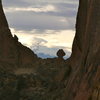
11, 50
84, 83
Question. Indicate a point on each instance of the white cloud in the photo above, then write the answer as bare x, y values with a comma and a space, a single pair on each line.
47, 8
44, 43
43, 25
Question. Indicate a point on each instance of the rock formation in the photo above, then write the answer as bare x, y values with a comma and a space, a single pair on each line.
60, 53
24, 76
84, 83
12, 51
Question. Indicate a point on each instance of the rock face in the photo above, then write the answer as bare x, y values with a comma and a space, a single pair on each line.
23, 76
84, 83
11, 50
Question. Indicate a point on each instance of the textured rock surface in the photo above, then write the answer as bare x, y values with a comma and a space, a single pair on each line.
23, 76
85, 59
11, 50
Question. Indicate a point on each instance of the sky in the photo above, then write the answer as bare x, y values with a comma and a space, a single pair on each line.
45, 26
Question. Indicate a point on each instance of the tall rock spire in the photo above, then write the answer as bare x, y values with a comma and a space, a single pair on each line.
3, 21
11, 50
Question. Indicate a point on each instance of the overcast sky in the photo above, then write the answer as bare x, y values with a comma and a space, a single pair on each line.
43, 25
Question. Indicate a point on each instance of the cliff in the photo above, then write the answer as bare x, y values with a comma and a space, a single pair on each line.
11, 51
84, 83
24, 76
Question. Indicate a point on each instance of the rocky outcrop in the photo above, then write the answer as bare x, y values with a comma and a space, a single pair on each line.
60, 53
23, 76
12, 51
84, 83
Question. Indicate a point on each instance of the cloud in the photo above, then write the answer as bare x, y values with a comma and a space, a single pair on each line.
43, 25
48, 42
47, 8
46, 51
51, 1
41, 14
15, 3
27, 3
29, 21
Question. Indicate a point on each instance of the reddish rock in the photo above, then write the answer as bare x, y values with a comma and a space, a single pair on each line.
85, 58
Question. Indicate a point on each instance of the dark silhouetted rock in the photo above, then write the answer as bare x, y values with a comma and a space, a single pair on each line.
60, 53
11, 50
15, 38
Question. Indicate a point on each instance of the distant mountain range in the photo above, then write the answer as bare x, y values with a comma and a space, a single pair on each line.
42, 55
